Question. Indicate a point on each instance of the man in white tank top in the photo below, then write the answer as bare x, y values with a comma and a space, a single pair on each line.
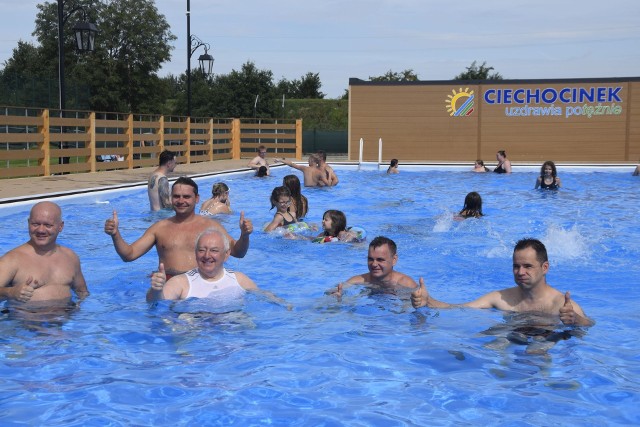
209, 280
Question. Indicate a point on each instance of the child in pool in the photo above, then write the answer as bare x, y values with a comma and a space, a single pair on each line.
281, 200
472, 207
548, 179
393, 167
334, 224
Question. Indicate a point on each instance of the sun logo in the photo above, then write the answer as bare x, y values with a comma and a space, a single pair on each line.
463, 97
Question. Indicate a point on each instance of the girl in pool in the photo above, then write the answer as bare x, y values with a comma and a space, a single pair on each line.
479, 166
219, 202
299, 203
281, 200
548, 178
335, 228
472, 207
393, 167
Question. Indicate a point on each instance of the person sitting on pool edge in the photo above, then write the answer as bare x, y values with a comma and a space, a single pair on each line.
219, 201
381, 258
532, 293
548, 179
41, 269
174, 237
472, 207
210, 279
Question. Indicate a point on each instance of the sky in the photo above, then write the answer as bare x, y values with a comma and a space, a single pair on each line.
340, 39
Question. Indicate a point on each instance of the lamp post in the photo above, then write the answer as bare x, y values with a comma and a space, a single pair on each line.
205, 60
85, 42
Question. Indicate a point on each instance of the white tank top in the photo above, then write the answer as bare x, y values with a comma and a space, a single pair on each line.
225, 288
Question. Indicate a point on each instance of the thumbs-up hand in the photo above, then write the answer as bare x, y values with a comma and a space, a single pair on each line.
420, 297
567, 314
246, 226
24, 292
158, 278
111, 225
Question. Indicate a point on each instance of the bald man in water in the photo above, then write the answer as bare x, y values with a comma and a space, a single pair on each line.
41, 270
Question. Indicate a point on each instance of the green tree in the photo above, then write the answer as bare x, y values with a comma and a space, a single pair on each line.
478, 72
391, 76
307, 87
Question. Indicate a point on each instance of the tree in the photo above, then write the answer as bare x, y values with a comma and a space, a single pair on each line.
308, 87
478, 72
391, 76
133, 42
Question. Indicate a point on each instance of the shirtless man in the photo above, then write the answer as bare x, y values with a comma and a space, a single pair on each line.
41, 270
313, 175
531, 295
158, 185
381, 259
175, 237
260, 160
324, 166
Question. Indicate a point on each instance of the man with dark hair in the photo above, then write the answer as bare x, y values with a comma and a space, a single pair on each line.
531, 295
175, 237
326, 169
381, 259
158, 185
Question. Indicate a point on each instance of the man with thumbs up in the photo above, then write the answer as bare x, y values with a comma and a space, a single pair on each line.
531, 295
41, 270
174, 237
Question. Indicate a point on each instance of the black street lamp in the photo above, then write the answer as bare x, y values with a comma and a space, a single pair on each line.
205, 60
85, 33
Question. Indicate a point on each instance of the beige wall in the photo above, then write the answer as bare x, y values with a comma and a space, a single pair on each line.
415, 123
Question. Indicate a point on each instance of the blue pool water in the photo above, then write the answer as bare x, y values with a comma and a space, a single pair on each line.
367, 360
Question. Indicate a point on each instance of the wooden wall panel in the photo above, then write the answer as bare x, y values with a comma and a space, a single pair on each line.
413, 119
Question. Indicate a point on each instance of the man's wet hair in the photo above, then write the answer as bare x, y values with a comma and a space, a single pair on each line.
166, 156
536, 245
381, 240
185, 180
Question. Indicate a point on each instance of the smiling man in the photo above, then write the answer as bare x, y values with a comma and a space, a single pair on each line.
174, 237
531, 295
41, 269
209, 280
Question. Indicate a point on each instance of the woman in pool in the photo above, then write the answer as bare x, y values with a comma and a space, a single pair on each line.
393, 167
281, 200
335, 228
472, 207
219, 202
262, 172
479, 166
299, 203
504, 165
548, 179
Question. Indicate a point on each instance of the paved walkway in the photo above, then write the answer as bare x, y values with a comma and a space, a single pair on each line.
19, 189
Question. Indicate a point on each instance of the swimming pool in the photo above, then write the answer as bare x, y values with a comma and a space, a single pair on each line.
367, 360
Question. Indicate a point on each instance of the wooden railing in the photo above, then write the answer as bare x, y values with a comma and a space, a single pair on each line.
42, 142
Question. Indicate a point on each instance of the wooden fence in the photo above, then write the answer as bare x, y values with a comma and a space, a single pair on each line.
42, 142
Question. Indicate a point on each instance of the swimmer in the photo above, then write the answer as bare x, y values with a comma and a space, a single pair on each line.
313, 175
472, 207
174, 237
219, 202
260, 160
381, 259
321, 155
548, 179
41, 271
158, 185
532, 294
479, 166
210, 279
281, 200
262, 172
299, 203
393, 167
334, 224
504, 164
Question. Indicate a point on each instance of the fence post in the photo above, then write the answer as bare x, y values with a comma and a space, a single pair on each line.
161, 133
211, 139
298, 139
46, 143
92, 141
235, 139
130, 141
